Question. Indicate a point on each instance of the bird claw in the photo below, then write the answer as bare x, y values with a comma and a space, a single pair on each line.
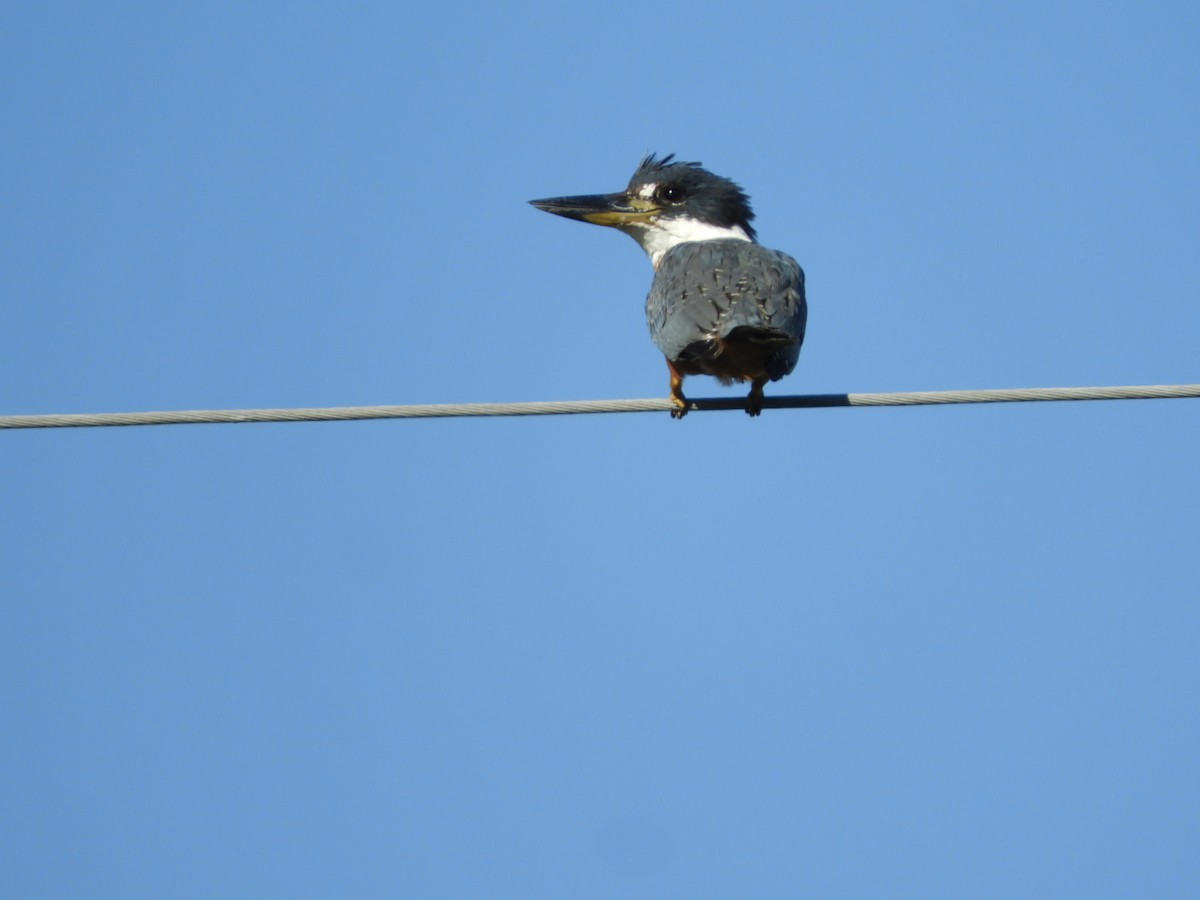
754, 401
680, 401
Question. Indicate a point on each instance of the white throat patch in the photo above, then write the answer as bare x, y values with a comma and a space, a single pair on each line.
660, 236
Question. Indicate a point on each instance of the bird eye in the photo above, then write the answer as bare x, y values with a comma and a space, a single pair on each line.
672, 193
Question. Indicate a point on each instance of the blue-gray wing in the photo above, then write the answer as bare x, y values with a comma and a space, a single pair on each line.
705, 292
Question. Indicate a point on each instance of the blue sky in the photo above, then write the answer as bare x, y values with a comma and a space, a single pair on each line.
881, 652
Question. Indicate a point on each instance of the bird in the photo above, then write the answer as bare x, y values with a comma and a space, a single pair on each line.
720, 303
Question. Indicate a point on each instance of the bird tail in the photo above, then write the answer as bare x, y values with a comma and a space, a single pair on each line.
762, 336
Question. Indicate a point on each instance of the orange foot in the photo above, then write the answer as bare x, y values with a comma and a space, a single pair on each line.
677, 397
680, 402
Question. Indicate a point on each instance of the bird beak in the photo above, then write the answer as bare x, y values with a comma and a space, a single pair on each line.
614, 210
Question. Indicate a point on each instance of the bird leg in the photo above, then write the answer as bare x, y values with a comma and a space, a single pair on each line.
754, 402
677, 397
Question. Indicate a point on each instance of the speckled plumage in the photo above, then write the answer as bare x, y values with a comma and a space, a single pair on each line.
707, 295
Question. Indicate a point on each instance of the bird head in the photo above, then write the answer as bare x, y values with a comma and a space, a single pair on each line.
666, 203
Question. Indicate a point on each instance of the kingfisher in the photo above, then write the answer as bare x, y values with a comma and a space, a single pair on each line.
720, 304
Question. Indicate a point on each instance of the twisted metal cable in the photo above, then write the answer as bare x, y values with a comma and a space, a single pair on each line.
565, 407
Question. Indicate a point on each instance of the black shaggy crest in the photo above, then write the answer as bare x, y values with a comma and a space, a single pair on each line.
710, 198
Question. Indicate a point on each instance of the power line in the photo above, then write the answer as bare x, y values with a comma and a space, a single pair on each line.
554, 408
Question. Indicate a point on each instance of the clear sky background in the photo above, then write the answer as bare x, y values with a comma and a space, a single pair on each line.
934, 652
